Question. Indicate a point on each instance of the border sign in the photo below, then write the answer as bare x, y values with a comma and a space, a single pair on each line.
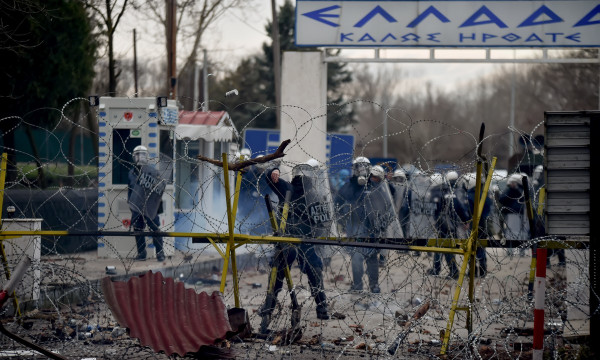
450, 23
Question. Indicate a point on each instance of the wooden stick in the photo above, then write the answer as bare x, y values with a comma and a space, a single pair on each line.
242, 164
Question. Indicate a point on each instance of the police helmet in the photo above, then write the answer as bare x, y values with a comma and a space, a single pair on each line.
469, 181
313, 162
140, 155
246, 153
303, 169
399, 176
437, 179
361, 166
515, 179
378, 172
451, 176
361, 159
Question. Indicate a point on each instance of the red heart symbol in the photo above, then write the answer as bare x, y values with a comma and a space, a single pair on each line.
126, 223
128, 116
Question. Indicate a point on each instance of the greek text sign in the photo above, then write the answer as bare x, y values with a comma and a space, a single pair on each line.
406, 23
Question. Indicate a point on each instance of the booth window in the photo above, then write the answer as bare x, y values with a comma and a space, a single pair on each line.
188, 174
122, 160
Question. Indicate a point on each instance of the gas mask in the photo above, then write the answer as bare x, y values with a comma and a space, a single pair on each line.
140, 155
361, 171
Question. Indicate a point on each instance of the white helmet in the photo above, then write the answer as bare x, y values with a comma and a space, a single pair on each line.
361, 167
246, 153
469, 180
140, 155
437, 179
303, 169
378, 172
313, 162
399, 176
515, 178
361, 159
235, 157
451, 176
538, 174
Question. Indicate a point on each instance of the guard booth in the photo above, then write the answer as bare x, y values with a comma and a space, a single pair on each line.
200, 195
123, 124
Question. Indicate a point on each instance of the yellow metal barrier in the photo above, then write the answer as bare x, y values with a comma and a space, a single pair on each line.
3, 166
469, 256
464, 247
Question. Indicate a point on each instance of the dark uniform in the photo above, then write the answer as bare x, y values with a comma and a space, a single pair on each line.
300, 223
482, 231
144, 195
448, 212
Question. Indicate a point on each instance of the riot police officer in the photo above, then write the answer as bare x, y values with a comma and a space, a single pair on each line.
512, 199
449, 210
380, 221
144, 196
304, 218
351, 210
468, 184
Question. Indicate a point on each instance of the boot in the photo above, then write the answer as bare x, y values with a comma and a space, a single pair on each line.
322, 311
315, 280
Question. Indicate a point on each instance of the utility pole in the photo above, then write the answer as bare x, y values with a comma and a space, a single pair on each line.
205, 82
172, 47
276, 62
385, 129
196, 85
135, 73
511, 138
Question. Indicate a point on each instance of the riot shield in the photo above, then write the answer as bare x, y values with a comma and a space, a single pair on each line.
146, 189
400, 194
381, 218
350, 208
315, 203
421, 208
252, 217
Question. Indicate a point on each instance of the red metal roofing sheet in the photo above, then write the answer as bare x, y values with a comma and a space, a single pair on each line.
166, 316
200, 117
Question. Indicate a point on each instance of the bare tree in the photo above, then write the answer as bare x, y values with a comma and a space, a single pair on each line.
193, 19
109, 14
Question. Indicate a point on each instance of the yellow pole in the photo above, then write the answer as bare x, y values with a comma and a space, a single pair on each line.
473, 248
285, 211
229, 224
468, 255
3, 166
541, 201
230, 243
236, 195
234, 270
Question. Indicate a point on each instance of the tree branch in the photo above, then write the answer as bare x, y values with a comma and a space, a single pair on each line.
242, 164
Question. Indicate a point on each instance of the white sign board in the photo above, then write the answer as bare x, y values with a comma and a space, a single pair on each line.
406, 23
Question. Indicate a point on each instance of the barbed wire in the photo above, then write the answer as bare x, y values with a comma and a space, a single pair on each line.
355, 301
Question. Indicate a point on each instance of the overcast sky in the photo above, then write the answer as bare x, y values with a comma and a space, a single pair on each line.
241, 33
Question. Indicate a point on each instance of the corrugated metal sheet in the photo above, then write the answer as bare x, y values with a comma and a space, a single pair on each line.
568, 170
201, 117
166, 316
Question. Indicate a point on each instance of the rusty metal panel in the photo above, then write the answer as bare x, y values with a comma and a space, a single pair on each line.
166, 316
567, 163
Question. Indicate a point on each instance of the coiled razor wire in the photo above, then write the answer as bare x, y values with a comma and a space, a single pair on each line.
70, 316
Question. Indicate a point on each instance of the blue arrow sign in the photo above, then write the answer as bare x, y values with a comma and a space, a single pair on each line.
543, 10
319, 15
587, 20
377, 10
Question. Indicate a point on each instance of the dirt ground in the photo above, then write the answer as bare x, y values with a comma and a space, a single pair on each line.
364, 324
